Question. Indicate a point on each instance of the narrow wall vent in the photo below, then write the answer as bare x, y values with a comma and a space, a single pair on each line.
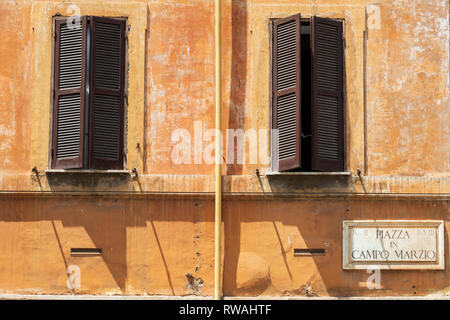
85, 251
309, 252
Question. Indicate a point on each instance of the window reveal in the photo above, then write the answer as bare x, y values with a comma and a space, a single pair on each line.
307, 94
88, 107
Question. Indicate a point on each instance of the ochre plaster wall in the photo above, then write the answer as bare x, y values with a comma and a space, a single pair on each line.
397, 100
397, 84
150, 244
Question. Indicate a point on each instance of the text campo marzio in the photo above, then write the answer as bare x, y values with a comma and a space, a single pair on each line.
227, 309
392, 252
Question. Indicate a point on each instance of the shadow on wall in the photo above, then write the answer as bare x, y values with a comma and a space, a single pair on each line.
153, 232
103, 221
259, 248
166, 246
93, 182
311, 184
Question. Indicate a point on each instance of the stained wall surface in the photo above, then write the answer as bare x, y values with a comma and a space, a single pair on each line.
157, 226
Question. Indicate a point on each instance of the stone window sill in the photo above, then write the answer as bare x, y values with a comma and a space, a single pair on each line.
83, 171
344, 173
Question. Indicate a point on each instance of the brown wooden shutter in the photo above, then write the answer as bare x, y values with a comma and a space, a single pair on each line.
327, 95
69, 95
286, 90
107, 93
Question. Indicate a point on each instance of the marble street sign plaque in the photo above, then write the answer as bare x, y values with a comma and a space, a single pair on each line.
393, 244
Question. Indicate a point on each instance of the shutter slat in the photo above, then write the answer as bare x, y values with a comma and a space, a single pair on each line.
68, 134
107, 55
286, 54
70, 56
286, 92
327, 109
106, 130
68, 109
107, 100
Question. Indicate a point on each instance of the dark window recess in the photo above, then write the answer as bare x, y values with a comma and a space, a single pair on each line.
89, 84
308, 94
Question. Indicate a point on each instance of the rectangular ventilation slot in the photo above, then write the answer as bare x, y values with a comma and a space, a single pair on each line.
85, 251
309, 252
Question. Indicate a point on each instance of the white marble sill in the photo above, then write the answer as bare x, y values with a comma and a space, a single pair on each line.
343, 173
50, 171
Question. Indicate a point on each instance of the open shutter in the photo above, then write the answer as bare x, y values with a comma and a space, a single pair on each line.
107, 93
327, 95
286, 90
69, 95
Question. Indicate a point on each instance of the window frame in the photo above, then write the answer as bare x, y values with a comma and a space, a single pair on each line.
86, 146
55, 162
342, 129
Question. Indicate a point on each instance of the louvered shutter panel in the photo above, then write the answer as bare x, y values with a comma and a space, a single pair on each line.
69, 95
107, 93
327, 95
286, 90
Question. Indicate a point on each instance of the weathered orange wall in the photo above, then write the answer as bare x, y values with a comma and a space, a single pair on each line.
15, 87
397, 84
398, 94
150, 243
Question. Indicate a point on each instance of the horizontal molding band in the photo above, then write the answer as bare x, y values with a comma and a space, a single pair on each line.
230, 195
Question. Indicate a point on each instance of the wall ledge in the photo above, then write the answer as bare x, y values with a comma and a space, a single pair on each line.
343, 173
227, 196
86, 171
